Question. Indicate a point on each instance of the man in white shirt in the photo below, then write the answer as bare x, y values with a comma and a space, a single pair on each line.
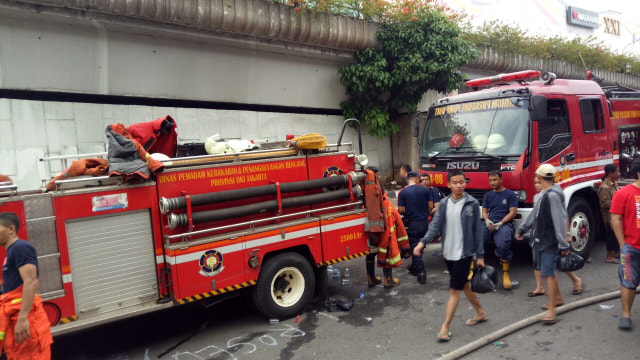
458, 222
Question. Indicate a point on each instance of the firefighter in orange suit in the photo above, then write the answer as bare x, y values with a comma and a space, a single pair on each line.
386, 230
24, 326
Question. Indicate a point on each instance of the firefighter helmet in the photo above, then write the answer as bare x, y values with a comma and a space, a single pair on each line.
496, 141
480, 141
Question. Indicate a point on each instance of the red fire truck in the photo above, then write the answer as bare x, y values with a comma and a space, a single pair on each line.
208, 227
515, 122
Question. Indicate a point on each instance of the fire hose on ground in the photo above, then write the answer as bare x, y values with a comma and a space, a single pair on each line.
487, 339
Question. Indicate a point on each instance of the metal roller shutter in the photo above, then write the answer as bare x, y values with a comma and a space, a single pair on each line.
112, 262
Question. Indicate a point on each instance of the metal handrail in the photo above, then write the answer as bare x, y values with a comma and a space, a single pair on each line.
93, 178
212, 157
8, 188
72, 156
253, 222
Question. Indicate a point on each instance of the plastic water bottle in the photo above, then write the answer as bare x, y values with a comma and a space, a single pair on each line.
336, 272
346, 279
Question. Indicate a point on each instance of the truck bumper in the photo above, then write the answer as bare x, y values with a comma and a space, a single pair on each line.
523, 213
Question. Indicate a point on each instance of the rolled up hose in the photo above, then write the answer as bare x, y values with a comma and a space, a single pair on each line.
180, 202
176, 220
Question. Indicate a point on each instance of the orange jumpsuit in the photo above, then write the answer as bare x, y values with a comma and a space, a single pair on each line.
394, 240
39, 345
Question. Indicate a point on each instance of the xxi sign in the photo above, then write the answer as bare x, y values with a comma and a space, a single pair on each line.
611, 26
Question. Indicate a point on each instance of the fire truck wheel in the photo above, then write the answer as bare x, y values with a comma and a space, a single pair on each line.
285, 285
581, 227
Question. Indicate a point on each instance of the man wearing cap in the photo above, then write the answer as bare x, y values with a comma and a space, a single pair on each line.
549, 234
498, 210
415, 203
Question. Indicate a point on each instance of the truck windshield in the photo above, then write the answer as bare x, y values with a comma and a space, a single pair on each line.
494, 127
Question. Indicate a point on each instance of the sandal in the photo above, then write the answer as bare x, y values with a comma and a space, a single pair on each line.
548, 321
614, 261
474, 322
534, 294
444, 337
579, 291
546, 306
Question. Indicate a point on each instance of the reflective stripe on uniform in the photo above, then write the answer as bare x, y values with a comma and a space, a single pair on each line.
403, 238
393, 260
2, 335
384, 251
15, 301
393, 228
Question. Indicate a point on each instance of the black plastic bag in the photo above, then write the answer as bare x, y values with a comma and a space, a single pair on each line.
485, 279
571, 262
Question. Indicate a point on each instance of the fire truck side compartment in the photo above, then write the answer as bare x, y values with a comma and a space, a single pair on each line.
112, 261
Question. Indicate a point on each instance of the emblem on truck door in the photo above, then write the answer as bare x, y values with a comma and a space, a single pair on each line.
211, 263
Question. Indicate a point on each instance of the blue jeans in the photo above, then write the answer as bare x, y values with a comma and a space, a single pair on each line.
502, 238
546, 262
416, 231
629, 268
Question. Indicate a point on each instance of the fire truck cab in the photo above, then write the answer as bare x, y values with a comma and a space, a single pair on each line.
206, 228
515, 122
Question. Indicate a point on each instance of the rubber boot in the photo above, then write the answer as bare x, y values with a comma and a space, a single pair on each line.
372, 279
506, 279
422, 276
389, 280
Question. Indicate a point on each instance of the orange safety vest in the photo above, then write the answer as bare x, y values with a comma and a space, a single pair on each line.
394, 239
39, 345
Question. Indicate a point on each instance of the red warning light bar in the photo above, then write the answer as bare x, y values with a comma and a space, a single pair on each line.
520, 75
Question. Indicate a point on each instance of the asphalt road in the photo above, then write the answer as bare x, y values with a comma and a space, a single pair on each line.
386, 324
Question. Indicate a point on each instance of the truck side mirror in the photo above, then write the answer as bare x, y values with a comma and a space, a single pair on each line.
415, 126
538, 107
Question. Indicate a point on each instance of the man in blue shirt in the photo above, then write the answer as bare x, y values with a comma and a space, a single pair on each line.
27, 334
498, 210
415, 203
425, 181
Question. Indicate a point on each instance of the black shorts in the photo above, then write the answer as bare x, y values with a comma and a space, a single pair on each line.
460, 272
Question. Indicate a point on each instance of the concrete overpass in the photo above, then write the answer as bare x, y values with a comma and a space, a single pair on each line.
241, 68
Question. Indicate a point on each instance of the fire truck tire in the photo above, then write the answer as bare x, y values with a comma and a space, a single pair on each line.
285, 286
581, 227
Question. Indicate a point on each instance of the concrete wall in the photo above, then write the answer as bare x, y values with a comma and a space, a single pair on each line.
405, 146
32, 129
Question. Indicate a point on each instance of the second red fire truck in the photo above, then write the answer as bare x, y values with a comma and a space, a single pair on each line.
515, 122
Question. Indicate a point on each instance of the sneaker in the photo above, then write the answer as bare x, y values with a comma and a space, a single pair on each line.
624, 323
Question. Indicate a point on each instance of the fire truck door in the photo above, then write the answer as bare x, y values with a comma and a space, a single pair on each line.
592, 134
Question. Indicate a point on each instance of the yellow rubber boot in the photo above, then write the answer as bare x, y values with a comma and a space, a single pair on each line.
506, 279
373, 281
390, 282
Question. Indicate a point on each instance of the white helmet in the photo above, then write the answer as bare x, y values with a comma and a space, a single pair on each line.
480, 141
496, 141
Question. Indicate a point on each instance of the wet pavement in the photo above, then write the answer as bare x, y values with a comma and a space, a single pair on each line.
386, 324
